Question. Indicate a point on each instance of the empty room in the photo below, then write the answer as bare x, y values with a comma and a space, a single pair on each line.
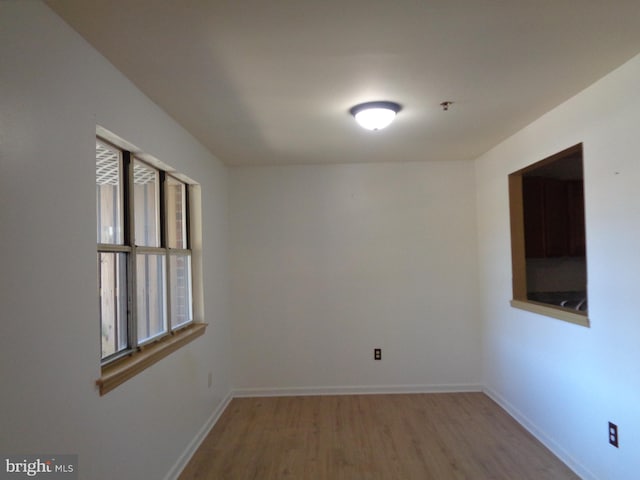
217, 264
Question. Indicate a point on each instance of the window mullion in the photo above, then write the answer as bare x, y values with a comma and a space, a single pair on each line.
105, 247
129, 238
164, 239
163, 209
187, 213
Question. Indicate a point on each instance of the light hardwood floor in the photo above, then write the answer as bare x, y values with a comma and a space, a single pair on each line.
383, 437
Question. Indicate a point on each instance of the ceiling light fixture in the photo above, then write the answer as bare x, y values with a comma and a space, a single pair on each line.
375, 115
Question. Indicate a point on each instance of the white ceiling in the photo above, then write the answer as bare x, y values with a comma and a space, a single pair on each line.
271, 82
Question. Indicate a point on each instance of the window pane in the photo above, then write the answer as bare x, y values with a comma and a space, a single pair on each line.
108, 193
181, 310
151, 303
113, 302
176, 213
146, 211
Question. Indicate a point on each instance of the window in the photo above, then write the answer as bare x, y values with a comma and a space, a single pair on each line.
144, 261
548, 237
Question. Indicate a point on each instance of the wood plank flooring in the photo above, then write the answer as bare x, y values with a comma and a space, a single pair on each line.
382, 437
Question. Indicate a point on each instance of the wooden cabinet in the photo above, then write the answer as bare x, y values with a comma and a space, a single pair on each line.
577, 244
553, 217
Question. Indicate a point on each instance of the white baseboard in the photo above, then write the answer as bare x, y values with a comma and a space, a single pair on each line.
547, 441
354, 390
194, 444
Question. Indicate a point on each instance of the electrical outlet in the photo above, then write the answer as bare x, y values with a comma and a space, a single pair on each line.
377, 354
613, 434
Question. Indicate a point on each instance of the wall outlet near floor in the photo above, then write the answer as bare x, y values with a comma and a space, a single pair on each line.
377, 354
613, 434
210, 380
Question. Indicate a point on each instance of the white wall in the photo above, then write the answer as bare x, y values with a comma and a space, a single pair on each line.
328, 262
54, 89
565, 381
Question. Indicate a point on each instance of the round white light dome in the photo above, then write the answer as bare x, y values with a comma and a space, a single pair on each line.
375, 115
